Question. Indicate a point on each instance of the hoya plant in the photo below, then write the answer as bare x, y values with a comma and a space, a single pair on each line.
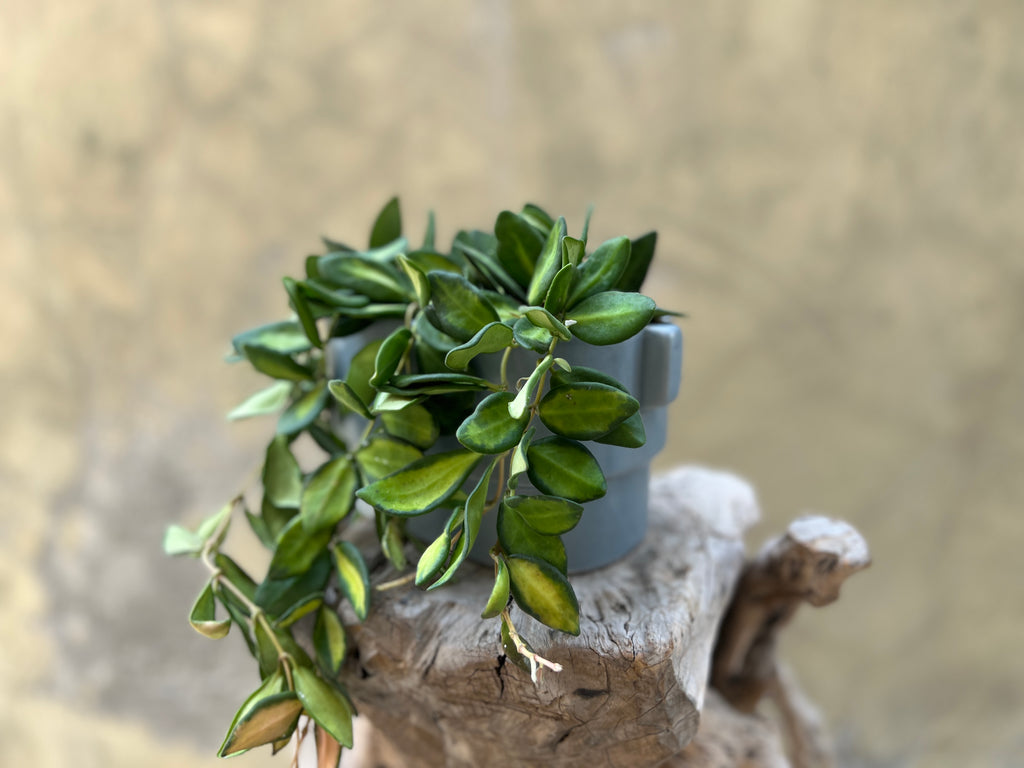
427, 415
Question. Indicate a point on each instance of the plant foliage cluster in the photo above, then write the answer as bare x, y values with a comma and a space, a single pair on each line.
435, 432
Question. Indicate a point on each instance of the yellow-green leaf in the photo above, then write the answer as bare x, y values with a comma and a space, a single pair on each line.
518, 538
344, 394
499, 592
328, 495
297, 548
548, 263
268, 715
278, 365
383, 456
517, 408
490, 428
563, 467
586, 410
601, 270
550, 515
303, 411
266, 401
541, 318
329, 640
433, 558
390, 355
303, 311
610, 317
325, 704
421, 486
543, 592
414, 424
471, 524
353, 577
282, 478
388, 225
203, 616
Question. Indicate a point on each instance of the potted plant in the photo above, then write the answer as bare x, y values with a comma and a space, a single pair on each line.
456, 397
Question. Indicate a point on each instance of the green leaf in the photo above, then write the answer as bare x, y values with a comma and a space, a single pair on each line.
562, 467
297, 548
333, 297
640, 255
353, 577
629, 434
518, 538
530, 337
296, 611
421, 486
234, 573
277, 596
473, 514
550, 515
282, 478
517, 409
610, 317
586, 223
490, 272
436, 383
573, 251
360, 371
428, 261
329, 640
390, 355
519, 245
473, 240
277, 365
558, 293
458, 308
303, 411
548, 263
380, 282
266, 716
392, 542
203, 616
325, 704
414, 424
328, 495
285, 337
499, 592
429, 234
519, 462
347, 396
271, 520
427, 333
490, 428
580, 373
493, 337
303, 311
543, 592
538, 218
382, 456
418, 278
179, 541
269, 400
388, 225
601, 271
541, 318
386, 402
586, 410
433, 559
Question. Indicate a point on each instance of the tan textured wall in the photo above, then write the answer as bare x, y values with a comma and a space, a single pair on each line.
839, 191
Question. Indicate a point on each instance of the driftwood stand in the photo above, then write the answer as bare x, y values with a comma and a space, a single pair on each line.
434, 689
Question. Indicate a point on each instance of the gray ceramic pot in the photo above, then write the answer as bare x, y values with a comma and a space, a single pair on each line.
650, 366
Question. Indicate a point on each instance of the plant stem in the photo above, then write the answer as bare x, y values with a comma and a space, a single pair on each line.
401, 581
537, 662
504, 367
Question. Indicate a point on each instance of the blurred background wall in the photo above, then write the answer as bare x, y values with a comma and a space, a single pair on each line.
838, 188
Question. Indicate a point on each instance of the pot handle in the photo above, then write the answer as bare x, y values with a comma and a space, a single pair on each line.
662, 364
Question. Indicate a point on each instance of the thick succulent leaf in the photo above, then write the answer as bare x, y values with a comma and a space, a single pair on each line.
380, 282
548, 263
542, 591
562, 467
520, 463
303, 412
433, 559
586, 410
203, 615
380, 311
558, 292
577, 374
328, 495
529, 336
392, 542
428, 261
273, 519
456, 307
421, 486
427, 333
629, 434
610, 317
325, 704
519, 245
550, 515
493, 337
573, 251
282, 478
269, 400
353, 578
518, 538
388, 225
179, 541
473, 514
298, 301
415, 425
360, 371
491, 273
490, 428
382, 456
385, 402
519, 405
286, 337
541, 318
435, 383
338, 298
237, 575
344, 394
278, 365
601, 270
640, 255
297, 610
329, 640
499, 592
586, 223
418, 277
430, 234
297, 548
268, 715
473, 240
390, 355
